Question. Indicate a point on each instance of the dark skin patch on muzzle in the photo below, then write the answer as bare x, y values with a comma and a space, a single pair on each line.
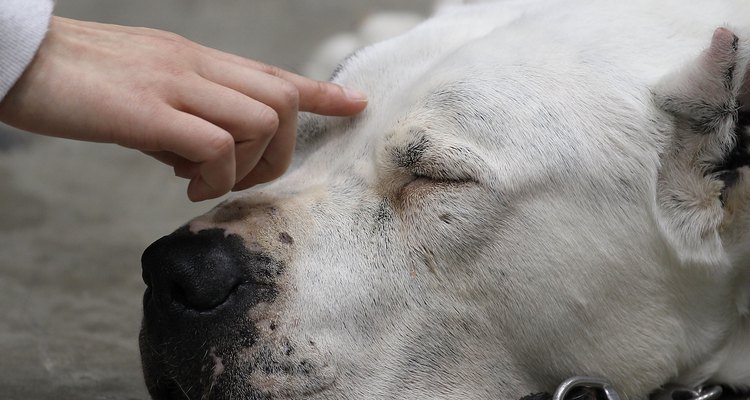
185, 328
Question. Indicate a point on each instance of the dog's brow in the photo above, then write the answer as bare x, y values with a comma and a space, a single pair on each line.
409, 156
454, 97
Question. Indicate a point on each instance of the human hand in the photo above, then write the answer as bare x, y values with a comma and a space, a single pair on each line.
222, 121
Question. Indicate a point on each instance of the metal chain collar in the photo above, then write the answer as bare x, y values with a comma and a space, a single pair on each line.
606, 391
674, 392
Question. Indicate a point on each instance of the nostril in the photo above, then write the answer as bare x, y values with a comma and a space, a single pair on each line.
178, 295
204, 298
195, 271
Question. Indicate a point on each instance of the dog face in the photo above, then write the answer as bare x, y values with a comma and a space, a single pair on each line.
520, 203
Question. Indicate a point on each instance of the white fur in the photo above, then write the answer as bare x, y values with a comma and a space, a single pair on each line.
555, 220
374, 28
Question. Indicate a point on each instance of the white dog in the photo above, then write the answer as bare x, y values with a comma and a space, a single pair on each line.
537, 190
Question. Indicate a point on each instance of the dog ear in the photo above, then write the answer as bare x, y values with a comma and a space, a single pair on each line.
703, 189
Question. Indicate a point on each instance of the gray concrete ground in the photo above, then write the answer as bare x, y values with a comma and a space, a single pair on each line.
75, 217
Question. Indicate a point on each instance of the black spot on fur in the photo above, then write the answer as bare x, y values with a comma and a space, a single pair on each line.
286, 238
288, 348
248, 336
268, 363
447, 218
383, 215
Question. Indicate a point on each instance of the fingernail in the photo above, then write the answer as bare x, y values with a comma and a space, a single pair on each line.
354, 95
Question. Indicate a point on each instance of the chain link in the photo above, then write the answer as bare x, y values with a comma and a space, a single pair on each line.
675, 392
600, 384
606, 391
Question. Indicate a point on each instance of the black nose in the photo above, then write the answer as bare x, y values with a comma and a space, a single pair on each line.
196, 271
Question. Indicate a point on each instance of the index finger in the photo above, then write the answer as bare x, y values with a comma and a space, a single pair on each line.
325, 98
318, 97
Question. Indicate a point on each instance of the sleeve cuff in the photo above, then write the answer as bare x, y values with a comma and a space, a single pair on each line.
23, 25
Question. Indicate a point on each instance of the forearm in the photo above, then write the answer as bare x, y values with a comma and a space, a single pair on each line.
23, 24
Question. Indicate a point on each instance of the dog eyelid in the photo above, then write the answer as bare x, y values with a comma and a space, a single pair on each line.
421, 153
437, 165
436, 173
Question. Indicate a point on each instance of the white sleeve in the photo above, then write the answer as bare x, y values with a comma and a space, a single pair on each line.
23, 24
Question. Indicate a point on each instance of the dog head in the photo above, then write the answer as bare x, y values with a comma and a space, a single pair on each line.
520, 203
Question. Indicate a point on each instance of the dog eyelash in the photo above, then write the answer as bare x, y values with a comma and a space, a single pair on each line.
421, 182
437, 175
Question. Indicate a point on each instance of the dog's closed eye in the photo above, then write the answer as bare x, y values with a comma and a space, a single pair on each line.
422, 158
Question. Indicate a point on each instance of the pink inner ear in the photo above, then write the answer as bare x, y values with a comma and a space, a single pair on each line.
723, 48
724, 45
724, 38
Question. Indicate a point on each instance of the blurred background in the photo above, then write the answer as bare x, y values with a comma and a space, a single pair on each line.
75, 217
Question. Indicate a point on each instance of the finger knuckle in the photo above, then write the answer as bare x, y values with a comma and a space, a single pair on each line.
272, 70
289, 95
219, 146
158, 33
267, 121
325, 88
174, 74
173, 37
321, 91
172, 48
